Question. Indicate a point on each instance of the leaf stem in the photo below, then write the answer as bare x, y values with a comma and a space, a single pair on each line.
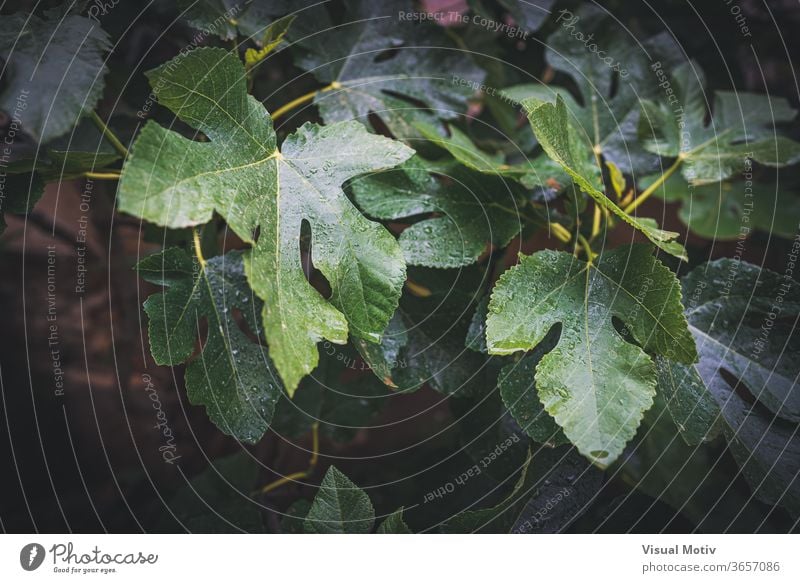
118, 145
102, 175
282, 110
653, 187
587, 248
312, 463
561, 232
198, 248
596, 221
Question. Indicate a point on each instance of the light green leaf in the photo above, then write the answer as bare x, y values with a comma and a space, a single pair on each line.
340, 507
231, 376
265, 195
270, 40
386, 66
471, 211
743, 127
564, 143
594, 383
54, 70
541, 171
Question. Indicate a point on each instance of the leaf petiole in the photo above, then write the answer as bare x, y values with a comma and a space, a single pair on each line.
561, 232
653, 187
102, 175
114, 140
282, 110
312, 463
198, 248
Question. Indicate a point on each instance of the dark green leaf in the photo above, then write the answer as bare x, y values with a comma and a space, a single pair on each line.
394, 524
529, 14
232, 376
340, 507
470, 212
693, 409
612, 76
728, 210
18, 194
54, 70
518, 388
387, 66
743, 127
217, 500
743, 320
424, 342
554, 488
231, 18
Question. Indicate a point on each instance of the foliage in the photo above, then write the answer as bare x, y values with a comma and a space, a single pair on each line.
409, 226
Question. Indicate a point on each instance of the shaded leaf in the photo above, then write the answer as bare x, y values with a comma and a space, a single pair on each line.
232, 376
20, 193
554, 488
249, 18
743, 319
518, 388
692, 479
691, 406
293, 522
728, 210
400, 71
529, 14
742, 127
54, 70
217, 500
393, 524
339, 507
424, 342
596, 51
469, 213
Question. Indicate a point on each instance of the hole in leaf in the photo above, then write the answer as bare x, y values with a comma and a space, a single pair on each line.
390, 53
377, 124
417, 103
612, 91
314, 275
